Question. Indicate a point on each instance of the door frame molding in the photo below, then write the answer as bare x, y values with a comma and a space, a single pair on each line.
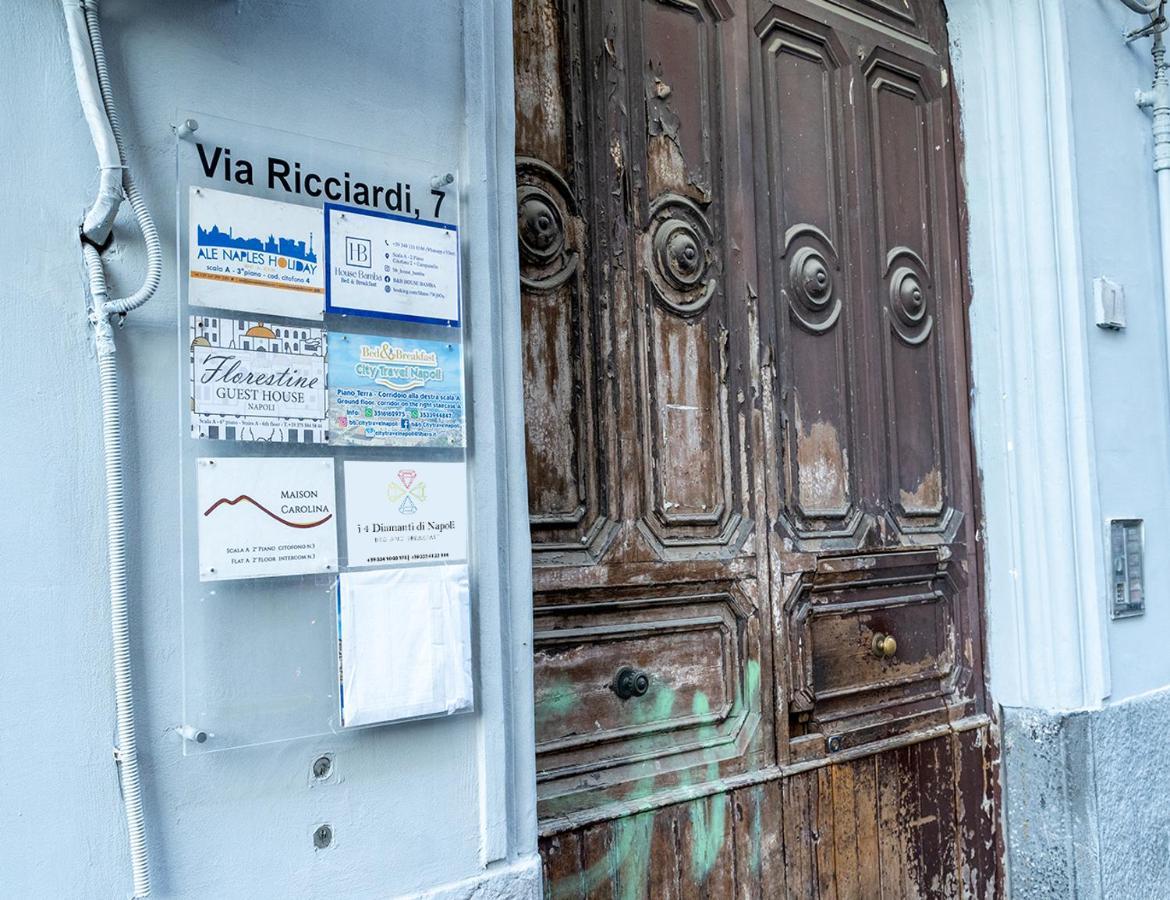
1043, 551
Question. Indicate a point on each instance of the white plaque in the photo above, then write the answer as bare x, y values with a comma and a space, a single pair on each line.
391, 266
252, 254
405, 512
264, 516
252, 381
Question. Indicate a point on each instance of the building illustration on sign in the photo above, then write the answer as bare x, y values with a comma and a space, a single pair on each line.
252, 381
296, 255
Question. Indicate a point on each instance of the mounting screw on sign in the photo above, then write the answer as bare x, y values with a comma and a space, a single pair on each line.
438, 183
193, 734
629, 682
322, 837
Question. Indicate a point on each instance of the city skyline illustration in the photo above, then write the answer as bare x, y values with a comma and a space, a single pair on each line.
284, 246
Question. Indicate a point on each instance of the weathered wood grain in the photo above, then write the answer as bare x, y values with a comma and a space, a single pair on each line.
748, 443
903, 824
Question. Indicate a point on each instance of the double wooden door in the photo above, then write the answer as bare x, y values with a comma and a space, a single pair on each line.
758, 639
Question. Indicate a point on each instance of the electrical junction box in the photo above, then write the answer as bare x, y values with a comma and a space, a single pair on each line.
1126, 580
1109, 303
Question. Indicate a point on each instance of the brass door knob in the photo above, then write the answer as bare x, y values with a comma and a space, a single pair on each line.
884, 646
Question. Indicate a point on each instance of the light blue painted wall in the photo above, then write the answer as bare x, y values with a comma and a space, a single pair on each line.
1072, 422
413, 806
1118, 203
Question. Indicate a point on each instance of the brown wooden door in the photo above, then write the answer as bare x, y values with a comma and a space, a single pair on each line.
758, 643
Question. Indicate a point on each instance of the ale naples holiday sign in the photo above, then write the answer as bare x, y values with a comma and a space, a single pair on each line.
252, 254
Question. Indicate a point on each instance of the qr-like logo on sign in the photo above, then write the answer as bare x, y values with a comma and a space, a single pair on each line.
359, 252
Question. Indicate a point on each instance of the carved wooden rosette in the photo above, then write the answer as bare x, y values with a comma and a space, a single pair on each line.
909, 290
814, 277
567, 502
683, 276
544, 207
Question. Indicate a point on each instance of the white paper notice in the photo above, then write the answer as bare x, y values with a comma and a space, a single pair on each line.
405, 512
404, 644
265, 516
252, 254
391, 266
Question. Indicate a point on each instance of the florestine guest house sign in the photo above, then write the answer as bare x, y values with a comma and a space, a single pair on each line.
257, 381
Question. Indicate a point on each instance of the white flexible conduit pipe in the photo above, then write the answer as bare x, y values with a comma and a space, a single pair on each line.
1148, 8
89, 65
141, 213
126, 752
1157, 101
100, 218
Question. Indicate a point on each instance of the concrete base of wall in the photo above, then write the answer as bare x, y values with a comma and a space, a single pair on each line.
1087, 800
519, 880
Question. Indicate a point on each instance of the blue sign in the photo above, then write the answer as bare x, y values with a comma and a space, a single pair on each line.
395, 392
390, 266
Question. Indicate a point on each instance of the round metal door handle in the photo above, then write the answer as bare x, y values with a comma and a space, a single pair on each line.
629, 682
884, 646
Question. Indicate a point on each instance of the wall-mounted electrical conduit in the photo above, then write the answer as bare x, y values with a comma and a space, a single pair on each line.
1157, 102
93, 88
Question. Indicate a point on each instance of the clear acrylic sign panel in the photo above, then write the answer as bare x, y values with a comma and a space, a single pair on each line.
323, 464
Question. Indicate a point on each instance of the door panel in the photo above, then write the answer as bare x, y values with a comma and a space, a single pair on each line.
758, 638
872, 650
906, 823
600, 741
806, 160
662, 574
904, 127
565, 403
693, 465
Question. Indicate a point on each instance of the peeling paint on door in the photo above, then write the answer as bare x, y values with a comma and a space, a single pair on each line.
757, 642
